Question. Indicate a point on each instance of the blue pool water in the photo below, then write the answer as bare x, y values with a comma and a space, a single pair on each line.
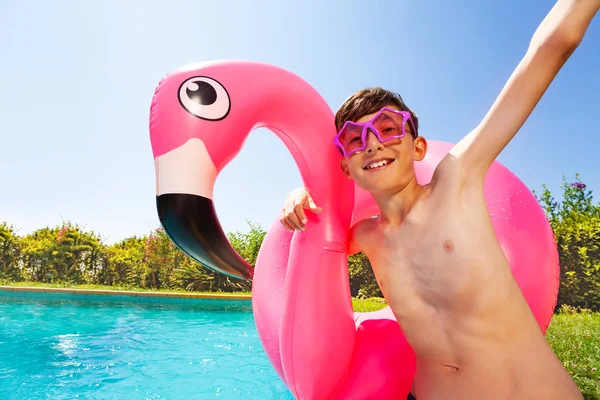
64, 346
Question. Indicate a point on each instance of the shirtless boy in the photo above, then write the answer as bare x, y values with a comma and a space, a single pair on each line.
451, 288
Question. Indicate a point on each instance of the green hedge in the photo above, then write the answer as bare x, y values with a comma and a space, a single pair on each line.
68, 254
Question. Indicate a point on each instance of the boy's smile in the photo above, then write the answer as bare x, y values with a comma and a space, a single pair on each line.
378, 164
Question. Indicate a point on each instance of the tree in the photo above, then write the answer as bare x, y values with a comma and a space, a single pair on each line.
124, 266
576, 224
10, 249
248, 244
62, 254
362, 278
161, 257
193, 276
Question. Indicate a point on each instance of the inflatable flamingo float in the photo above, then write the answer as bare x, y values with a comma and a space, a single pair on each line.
200, 117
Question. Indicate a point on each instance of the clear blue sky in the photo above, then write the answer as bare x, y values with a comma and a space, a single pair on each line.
77, 78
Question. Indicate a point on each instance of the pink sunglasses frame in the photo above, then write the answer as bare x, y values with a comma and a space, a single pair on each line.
368, 125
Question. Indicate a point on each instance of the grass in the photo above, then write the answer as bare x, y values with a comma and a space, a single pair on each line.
106, 287
573, 334
360, 305
365, 305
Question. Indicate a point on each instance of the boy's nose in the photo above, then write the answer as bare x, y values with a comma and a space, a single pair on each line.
373, 144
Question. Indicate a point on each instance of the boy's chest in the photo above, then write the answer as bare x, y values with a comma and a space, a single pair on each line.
432, 258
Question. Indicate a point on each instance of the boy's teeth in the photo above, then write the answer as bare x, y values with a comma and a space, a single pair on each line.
377, 164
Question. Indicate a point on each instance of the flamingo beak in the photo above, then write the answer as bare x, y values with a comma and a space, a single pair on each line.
185, 180
191, 223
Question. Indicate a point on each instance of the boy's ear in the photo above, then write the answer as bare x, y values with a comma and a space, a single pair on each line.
344, 167
420, 148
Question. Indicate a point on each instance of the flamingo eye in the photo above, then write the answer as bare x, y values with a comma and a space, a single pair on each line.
204, 98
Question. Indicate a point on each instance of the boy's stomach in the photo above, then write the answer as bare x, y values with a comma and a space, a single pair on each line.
496, 354
507, 373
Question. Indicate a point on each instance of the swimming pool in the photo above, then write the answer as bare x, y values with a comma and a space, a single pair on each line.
68, 346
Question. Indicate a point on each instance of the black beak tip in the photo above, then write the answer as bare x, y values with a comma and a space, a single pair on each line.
191, 223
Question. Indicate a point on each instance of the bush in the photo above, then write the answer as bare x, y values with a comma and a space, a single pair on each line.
362, 279
576, 224
68, 254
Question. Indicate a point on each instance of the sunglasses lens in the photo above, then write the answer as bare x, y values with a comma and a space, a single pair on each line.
350, 137
389, 125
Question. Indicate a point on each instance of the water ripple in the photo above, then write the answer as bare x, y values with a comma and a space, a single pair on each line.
70, 348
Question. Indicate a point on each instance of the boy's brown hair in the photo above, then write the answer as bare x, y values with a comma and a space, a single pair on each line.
370, 100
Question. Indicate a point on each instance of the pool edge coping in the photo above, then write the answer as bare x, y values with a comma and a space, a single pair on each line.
130, 293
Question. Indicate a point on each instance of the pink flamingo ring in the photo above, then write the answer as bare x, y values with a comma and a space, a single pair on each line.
199, 119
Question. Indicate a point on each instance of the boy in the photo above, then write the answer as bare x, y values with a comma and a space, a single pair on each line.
451, 288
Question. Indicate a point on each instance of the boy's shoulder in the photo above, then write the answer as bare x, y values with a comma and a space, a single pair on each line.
366, 225
361, 233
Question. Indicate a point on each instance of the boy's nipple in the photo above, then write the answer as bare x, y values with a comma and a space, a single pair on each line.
448, 246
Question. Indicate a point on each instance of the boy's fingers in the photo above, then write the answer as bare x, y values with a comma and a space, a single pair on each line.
286, 225
288, 221
282, 219
299, 209
293, 222
292, 219
313, 207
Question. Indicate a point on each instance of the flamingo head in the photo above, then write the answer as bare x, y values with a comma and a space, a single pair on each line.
200, 117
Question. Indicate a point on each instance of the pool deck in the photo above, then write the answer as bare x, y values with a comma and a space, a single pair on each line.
127, 293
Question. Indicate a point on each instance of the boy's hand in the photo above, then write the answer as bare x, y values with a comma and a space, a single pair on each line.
292, 215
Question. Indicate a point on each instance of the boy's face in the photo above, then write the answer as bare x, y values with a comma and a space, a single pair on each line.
385, 167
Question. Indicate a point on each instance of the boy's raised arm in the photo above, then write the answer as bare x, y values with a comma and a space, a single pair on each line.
554, 41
